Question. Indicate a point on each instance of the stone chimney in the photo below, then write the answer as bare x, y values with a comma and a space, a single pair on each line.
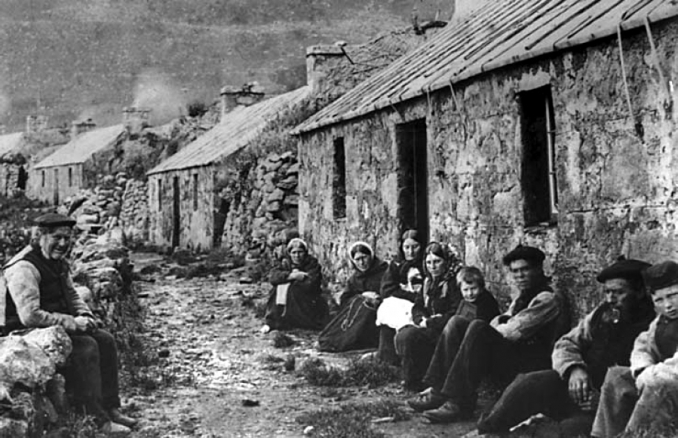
320, 61
247, 95
35, 124
78, 128
135, 119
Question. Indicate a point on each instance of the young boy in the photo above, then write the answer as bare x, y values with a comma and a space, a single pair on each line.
645, 396
478, 302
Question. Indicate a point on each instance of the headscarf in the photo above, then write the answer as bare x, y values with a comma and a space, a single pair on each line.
364, 246
297, 242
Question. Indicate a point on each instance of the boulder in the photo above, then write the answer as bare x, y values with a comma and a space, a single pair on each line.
54, 341
23, 362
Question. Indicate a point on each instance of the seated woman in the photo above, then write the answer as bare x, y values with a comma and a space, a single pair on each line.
401, 280
438, 301
354, 326
296, 300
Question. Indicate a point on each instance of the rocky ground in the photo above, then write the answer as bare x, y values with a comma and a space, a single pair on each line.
216, 376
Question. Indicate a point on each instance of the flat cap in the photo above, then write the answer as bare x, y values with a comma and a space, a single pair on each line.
522, 252
53, 220
629, 269
661, 275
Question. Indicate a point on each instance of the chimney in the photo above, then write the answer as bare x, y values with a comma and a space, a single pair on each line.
31, 122
135, 119
320, 61
232, 97
78, 128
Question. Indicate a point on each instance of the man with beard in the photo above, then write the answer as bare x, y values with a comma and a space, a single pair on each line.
604, 338
40, 293
519, 340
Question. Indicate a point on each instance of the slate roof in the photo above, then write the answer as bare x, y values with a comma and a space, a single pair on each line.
236, 129
82, 147
10, 142
497, 34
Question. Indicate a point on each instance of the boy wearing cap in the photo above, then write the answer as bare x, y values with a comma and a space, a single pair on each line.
40, 293
604, 338
644, 397
517, 341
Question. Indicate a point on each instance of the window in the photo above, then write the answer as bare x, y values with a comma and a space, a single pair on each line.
159, 194
195, 192
42, 178
70, 177
538, 170
339, 180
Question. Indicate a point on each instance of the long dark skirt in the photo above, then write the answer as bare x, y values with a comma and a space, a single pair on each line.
304, 309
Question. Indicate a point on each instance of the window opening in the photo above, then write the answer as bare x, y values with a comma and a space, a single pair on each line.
339, 179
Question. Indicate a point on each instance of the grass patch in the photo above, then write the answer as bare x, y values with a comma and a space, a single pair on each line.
74, 426
352, 420
365, 373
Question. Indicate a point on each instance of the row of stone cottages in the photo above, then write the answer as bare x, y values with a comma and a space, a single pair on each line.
550, 123
200, 198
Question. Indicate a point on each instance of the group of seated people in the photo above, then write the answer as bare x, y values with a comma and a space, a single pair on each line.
615, 371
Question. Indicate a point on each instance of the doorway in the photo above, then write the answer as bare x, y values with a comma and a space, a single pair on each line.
412, 177
56, 187
176, 213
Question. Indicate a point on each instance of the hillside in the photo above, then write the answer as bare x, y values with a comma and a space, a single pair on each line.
89, 58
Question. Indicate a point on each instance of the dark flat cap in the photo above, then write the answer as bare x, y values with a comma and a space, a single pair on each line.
52, 220
627, 269
522, 252
661, 275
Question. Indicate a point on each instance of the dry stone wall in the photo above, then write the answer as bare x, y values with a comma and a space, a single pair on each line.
134, 213
615, 170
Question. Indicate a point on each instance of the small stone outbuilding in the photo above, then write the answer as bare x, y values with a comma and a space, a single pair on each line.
538, 122
13, 174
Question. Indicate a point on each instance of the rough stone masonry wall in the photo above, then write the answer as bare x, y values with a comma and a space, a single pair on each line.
134, 213
615, 187
263, 208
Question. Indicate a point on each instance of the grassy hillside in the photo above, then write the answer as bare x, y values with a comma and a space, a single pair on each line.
89, 58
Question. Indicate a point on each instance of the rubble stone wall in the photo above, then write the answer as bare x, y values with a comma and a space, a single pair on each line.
262, 204
9, 178
615, 172
134, 213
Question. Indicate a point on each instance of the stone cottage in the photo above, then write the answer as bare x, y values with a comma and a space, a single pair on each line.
550, 123
68, 170
185, 210
236, 186
13, 174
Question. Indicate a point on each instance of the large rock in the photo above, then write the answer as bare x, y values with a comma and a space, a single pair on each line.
23, 362
54, 341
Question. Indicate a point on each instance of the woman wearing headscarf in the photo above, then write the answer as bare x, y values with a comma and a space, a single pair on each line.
403, 280
296, 300
438, 301
354, 326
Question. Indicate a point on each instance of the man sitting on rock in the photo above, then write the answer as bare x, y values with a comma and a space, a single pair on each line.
520, 340
40, 293
569, 392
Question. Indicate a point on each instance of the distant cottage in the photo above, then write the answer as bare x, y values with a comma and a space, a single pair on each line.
13, 175
550, 123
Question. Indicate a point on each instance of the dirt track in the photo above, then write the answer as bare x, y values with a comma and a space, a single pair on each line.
217, 362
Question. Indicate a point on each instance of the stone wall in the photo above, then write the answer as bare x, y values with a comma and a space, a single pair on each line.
134, 213
262, 213
32, 394
615, 172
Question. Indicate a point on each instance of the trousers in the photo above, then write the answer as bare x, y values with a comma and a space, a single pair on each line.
92, 375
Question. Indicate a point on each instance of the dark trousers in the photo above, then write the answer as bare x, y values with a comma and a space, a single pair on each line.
386, 351
93, 372
415, 346
532, 393
446, 351
485, 353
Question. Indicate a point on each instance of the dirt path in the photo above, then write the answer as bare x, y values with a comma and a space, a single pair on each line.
216, 363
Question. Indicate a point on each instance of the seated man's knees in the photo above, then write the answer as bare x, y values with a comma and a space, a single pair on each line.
455, 325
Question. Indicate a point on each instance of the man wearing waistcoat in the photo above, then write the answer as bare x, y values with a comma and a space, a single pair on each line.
40, 293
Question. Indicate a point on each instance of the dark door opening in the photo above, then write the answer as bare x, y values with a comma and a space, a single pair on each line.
412, 177
56, 187
23, 177
176, 213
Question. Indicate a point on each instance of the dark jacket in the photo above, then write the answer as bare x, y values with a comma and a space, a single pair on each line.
484, 307
440, 297
368, 281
